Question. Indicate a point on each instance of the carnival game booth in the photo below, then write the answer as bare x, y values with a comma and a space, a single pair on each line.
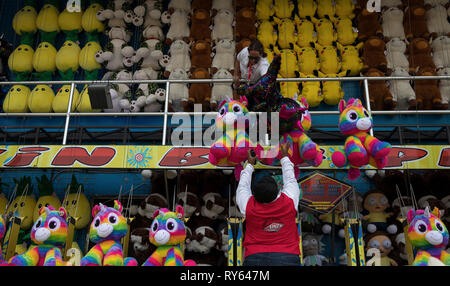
98, 105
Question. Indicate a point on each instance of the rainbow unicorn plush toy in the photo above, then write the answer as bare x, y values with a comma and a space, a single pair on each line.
107, 228
360, 148
429, 236
295, 120
231, 149
167, 232
49, 233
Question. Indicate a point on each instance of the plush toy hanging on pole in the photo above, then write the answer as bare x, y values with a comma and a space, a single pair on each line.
360, 148
231, 149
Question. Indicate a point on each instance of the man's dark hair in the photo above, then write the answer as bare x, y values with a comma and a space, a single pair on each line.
265, 190
256, 45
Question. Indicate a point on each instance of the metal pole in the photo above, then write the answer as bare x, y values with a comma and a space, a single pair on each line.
166, 109
69, 109
366, 94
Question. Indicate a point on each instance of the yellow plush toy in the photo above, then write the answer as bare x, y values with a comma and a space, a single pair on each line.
283, 8
351, 62
308, 62
41, 99
346, 34
269, 53
306, 8
311, 91
16, 99
47, 21
289, 64
287, 36
20, 62
289, 89
84, 104
264, 9
329, 61
325, 8
305, 33
67, 60
24, 202
344, 8
77, 204
87, 60
47, 196
332, 91
44, 60
61, 100
90, 23
24, 23
325, 31
70, 24
267, 35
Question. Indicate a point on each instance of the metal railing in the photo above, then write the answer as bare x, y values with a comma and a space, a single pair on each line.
168, 82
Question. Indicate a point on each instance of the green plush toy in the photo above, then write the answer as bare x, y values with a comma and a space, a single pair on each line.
47, 196
61, 100
289, 64
344, 8
346, 34
351, 62
264, 9
306, 33
311, 91
283, 8
68, 60
41, 99
287, 36
267, 35
24, 23
44, 61
70, 24
87, 60
308, 62
89, 21
20, 62
47, 21
306, 8
332, 91
16, 99
325, 31
329, 61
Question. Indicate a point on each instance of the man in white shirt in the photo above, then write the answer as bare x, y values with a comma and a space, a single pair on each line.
251, 63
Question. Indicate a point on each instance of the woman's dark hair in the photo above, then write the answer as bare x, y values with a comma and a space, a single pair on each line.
265, 190
256, 45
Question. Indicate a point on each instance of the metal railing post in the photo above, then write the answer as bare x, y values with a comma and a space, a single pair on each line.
166, 109
69, 110
366, 94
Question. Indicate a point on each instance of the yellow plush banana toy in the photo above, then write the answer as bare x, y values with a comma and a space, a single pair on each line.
329, 61
70, 24
16, 99
267, 35
87, 60
264, 9
287, 36
90, 23
44, 61
61, 100
332, 91
346, 34
47, 21
306, 33
306, 8
311, 91
24, 23
20, 62
308, 62
41, 99
67, 60
351, 62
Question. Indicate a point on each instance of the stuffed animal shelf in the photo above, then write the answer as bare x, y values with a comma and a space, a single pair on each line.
167, 232
360, 148
232, 147
48, 234
107, 228
429, 235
